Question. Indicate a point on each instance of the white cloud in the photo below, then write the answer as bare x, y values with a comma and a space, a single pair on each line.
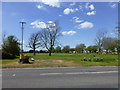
92, 7
60, 15
77, 20
39, 6
85, 25
91, 13
69, 32
76, 9
53, 3
50, 22
113, 5
69, 10
109, 34
38, 24
72, 4
89, 6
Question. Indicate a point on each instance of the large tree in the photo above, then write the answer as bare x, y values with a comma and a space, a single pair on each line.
100, 35
49, 36
11, 46
34, 41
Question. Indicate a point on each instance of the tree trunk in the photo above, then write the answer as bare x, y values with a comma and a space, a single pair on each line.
34, 51
99, 51
106, 51
49, 52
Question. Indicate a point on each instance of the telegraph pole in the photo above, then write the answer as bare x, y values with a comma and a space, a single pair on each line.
22, 23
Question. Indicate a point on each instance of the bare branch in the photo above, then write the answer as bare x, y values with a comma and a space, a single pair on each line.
49, 36
34, 41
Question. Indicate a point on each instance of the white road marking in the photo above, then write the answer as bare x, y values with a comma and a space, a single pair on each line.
75, 73
51, 73
92, 72
14, 75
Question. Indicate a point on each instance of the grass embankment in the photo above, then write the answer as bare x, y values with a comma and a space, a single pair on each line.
62, 60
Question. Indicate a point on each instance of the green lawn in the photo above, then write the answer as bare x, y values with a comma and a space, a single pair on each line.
62, 60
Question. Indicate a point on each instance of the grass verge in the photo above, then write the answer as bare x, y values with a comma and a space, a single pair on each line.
62, 60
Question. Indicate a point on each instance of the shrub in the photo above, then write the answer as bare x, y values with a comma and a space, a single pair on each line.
6, 55
95, 59
10, 47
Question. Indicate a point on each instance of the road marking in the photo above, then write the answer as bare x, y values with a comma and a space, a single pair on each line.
92, 72
14, 75
51, 73
75, 73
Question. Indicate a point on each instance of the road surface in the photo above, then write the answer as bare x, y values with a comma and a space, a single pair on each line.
66, 77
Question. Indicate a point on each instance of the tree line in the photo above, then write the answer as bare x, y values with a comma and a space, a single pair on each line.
48, 38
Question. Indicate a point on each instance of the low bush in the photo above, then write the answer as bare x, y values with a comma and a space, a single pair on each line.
95, 59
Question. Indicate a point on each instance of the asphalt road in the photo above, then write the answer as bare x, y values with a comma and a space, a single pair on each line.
72, 77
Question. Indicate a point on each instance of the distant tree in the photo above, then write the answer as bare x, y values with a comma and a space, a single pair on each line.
30, 51
80, 48
41, 51
91, 49
11, 46
101, 34
53, 50
66, 49
109, 43
49, 36
72, 50
94, 48
58, 49
34, 41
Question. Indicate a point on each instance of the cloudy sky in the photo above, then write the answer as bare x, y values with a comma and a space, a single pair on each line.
79, 21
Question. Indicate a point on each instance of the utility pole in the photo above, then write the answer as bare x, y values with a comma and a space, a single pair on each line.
22, 23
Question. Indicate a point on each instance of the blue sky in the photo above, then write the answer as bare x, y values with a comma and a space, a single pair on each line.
79, 21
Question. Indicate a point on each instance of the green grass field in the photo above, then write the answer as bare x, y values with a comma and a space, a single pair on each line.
62, 60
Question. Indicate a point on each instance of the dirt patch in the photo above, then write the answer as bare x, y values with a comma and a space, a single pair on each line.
37, 63
15, 64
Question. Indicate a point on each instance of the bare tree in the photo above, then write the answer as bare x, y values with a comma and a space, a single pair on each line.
117, 31
49, 36
34, 41
101, 34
